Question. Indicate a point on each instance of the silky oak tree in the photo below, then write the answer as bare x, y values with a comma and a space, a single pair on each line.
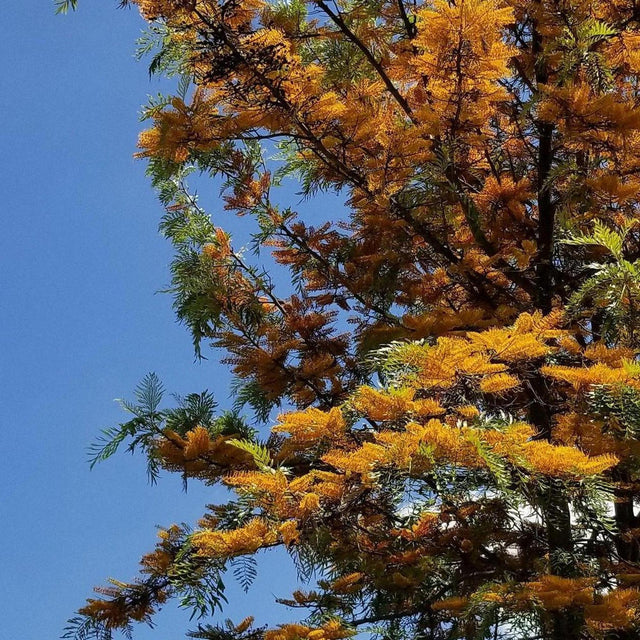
455, 365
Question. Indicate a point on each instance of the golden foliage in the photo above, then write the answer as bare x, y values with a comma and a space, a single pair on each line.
457, 445
309, 427
475, 26
555, 592
465, 138
289, 532
332, 630
453, 605
393, 405
249, 538
618, 609
581, 377
498, 383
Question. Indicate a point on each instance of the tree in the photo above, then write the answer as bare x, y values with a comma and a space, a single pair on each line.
455, 361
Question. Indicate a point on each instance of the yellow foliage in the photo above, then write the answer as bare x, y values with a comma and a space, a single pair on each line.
451, 605
591, 436
154, 9
362, 460
457, 445
508, 346
289, 532
382, 405
498, 383
108, 613
505, 193
301, 497
556, 593
309, 427
310, 503
439, 367
559, 461
582, 377
332, 630
588, 119
468, 411
287, 632
618, 609
426, 526
477, 26
249, 538
198, 443
348, 583
392, 405
615, 358
244, 624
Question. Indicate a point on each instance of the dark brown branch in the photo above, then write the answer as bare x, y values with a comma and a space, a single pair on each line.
409, 24
546, 206
391, 88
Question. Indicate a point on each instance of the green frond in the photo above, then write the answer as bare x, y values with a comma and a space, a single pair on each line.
108, 443
140, 430
196, 409
169, 53
260, 454
64, 6
619, 406
595, 31
226, 631
392, 362
603, 237
148, 393
497, 465
234, 514
85, 628
580, 52
245, 571
250, 393
197, 583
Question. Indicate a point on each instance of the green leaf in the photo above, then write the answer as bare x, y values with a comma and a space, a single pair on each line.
602, 237
497, 465
260, 454
245, 571
252, 394
108, 442
149, 393
63, 6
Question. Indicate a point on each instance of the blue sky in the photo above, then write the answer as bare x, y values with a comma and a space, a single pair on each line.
81, 322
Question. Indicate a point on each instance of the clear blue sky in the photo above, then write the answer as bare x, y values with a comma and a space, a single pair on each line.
81, 323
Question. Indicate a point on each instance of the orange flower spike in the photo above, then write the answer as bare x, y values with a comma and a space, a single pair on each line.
381, 405
309, 504
583, 377
244, 625
312, 425
198, 443
249, 538
289, 532
560, 461
499, 383
348, 583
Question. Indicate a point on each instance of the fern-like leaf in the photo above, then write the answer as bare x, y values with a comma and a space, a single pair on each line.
260, 454
64, 6
245, 571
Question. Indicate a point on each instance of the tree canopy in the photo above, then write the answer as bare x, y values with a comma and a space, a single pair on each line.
457, 451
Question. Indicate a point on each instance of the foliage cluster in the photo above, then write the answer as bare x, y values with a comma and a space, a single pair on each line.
456, 359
